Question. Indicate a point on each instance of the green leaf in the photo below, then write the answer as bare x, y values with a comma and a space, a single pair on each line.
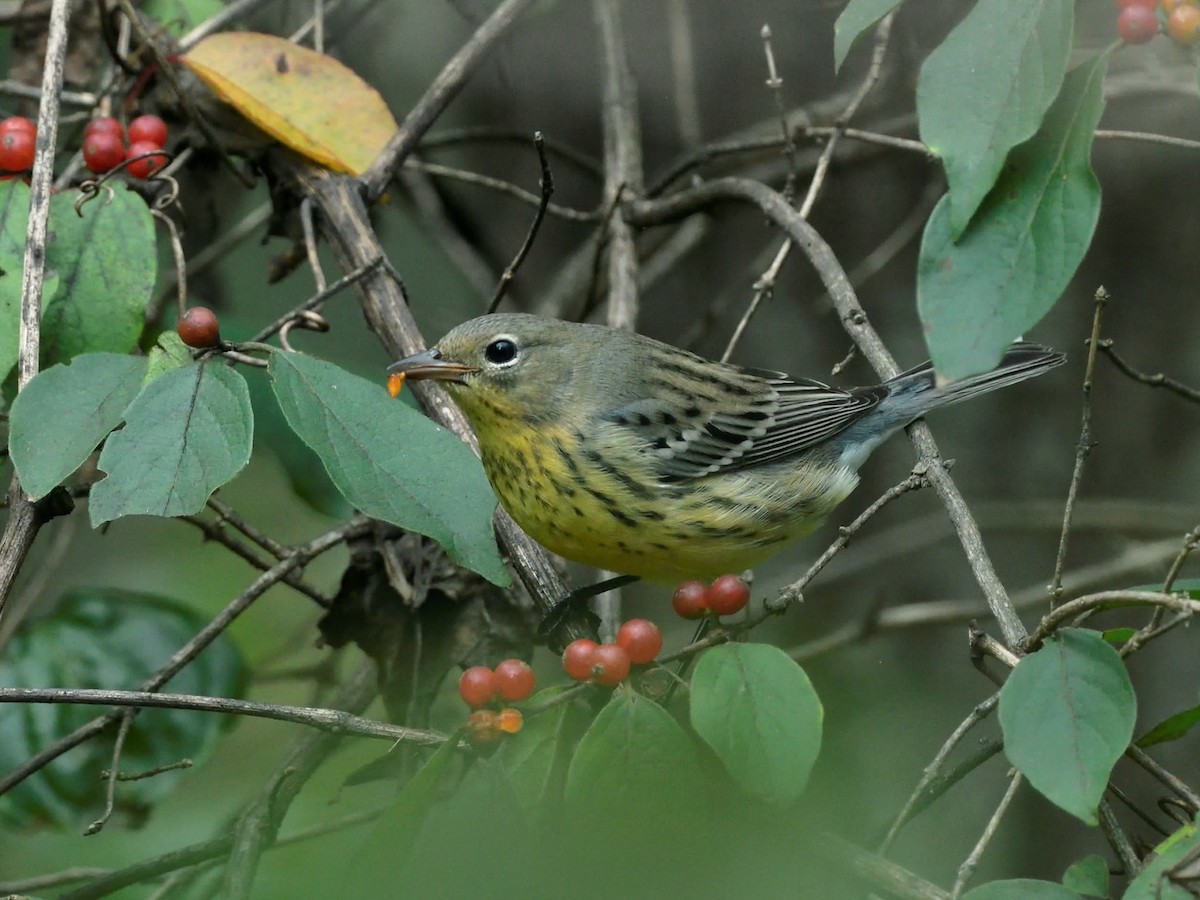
106, 262
977, 295
64, 413
1021, 889
394, 834
1067, 714
986, 88
534, 758
1189, 586
168, 352
187, 433
1171, 729
14, 220
634, 762
1118, 636
857, 17
755, 707
1177, 862
389, 460
106, 638
181, 16
1088, 876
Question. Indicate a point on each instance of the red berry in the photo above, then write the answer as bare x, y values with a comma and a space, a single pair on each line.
103, 151
104, 125
151, 129
18, 123
690, 599
477, 686
577, 658
199, 328
514, 680
641, 639
147, 165
1183, 25
727, 595
510, 720
483, 726
16, 151
1137, 24
610, 664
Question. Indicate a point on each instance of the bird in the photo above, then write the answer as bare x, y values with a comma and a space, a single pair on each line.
625, 453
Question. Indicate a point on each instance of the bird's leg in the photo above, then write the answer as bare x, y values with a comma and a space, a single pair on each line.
576, 602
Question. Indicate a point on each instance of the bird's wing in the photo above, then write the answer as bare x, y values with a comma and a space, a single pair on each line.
737, 418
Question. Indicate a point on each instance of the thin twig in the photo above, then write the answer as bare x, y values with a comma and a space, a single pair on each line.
547, 188
683, 73
504, 187
622, 162
1156, 380
1151, 629
1118, 840
332, 721
977, 715
967, 869
1165, 139
764, 287
297, 558
444, 88
1185, 793
24, 521
110, 788
1083, 448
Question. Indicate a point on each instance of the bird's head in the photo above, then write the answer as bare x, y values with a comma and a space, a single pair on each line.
508, 364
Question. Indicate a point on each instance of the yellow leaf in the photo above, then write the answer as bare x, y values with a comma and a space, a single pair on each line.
306, 100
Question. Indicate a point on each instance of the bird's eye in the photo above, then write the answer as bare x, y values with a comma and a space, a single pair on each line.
501, 352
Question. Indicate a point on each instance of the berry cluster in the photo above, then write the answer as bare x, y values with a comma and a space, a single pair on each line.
638, 642
18, 142
724, 597
104, 146
511, 681
1140, 20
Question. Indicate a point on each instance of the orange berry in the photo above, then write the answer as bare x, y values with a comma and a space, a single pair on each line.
577, 658
641, 639
483, 726
1183, 25
477, 686
395, 384
610, 664
690, 599
510, 720
514, 680
727, 595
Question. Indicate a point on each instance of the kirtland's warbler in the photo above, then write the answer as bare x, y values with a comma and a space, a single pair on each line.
616, 450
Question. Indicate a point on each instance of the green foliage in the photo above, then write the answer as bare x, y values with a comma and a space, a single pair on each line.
856, 18
105, 638
64, 413
1088, 876
106, 264
1172, 728
180, 16
390, 461
188, 432
757, 710
1067, 714
634, 756
978, 292
976, 105
1162, 878
168, 353
1021, 889
14, 220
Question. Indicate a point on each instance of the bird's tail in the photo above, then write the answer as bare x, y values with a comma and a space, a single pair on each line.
918, 391
912, 394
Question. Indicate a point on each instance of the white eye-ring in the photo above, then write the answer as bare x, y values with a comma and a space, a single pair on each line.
502, 351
